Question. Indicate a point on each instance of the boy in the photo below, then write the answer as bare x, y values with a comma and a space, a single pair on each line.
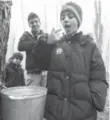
76, 80
14, 74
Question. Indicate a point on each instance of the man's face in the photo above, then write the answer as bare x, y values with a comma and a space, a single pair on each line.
34, 24
69, 22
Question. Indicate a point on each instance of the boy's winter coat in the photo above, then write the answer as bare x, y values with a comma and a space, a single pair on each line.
14, 75
76, 80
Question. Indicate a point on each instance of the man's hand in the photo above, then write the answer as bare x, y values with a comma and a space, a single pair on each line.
42, 37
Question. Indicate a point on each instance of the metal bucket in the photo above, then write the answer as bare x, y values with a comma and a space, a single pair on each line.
23, 103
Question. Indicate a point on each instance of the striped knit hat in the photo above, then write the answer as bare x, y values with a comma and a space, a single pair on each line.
75, 8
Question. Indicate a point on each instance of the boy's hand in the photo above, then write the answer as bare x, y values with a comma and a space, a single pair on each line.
54, 36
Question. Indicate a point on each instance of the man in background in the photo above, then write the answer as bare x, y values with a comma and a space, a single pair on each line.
27, 42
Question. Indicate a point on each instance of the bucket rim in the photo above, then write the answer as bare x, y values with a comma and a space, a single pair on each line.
5, 92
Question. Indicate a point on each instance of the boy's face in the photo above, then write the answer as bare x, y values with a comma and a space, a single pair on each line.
16, 61
34, 24
69, 22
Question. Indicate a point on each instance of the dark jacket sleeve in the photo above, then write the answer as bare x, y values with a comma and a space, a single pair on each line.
25, 42
98, 83
9, 77
42, 53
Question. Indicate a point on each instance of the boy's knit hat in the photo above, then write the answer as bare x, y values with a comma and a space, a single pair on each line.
17, 55
75, 8
33, 15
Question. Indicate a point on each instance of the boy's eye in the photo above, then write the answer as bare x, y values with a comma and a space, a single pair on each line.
71, 15
32, 22
62, 17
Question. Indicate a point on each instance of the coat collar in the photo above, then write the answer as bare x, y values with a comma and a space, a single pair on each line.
73, 38
78, 37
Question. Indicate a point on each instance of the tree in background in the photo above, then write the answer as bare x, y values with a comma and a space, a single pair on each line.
5, 15
98, 31
98, 27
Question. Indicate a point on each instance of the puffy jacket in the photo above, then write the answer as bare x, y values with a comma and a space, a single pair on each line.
76, 80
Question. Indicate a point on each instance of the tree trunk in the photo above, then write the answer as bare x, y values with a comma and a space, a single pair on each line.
5, 15
98, 27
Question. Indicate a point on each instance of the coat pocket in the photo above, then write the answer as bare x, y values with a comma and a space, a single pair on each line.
81, 92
